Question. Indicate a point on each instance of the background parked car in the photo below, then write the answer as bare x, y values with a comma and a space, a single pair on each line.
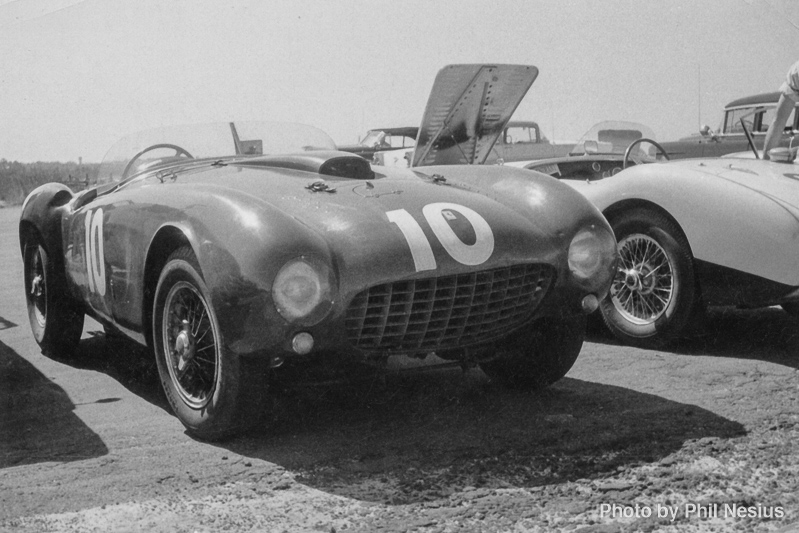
757, 112
382, 139
523, 140
519, 141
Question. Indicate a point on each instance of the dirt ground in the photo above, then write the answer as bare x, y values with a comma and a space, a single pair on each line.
700, 437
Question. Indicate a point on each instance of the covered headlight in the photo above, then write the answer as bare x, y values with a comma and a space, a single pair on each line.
301, 291
591, 252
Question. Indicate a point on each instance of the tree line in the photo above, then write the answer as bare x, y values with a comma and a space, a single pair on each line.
17, 179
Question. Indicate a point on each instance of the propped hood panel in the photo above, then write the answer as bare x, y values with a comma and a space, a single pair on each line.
468, 108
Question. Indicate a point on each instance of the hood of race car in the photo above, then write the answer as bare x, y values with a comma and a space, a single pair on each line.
405, 224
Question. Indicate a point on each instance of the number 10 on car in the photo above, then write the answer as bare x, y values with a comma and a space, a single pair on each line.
95, 264
436, 215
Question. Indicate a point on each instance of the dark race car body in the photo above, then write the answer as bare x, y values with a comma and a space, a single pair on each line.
231, 265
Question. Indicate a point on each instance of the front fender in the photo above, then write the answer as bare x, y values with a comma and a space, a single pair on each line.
42, 212
548, 203
726, 223
241, 243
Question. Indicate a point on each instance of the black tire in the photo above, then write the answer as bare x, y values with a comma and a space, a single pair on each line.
792, 308
654, 298
219, 394
56, 322
540, 358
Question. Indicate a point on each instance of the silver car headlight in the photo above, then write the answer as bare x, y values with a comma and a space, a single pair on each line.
300, 289
592, 251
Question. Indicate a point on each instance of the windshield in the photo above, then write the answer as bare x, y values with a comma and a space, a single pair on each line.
613, 137
143, 150
373, 138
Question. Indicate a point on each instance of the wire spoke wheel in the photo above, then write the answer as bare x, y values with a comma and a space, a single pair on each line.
36, 287
644, 284
56, 323
190, 343
655, 298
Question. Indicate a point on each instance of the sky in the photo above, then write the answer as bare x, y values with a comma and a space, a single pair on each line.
76, 75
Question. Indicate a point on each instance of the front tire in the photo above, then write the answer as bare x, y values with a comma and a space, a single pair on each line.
55, 321
539, 359
207, 386
653, 298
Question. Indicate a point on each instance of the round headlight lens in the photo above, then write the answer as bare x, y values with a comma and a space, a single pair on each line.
298, 289
591, 250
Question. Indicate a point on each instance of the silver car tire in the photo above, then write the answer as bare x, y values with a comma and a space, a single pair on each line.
654, 297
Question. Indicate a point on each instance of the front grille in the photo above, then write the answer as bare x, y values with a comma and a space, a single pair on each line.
446, 312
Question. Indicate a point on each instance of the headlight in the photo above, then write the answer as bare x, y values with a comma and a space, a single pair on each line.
591, 250
299, 289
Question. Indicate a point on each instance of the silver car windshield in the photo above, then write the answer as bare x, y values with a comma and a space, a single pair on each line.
144, 150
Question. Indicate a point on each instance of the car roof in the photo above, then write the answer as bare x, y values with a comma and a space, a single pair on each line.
518, 123
756, 99
407, 131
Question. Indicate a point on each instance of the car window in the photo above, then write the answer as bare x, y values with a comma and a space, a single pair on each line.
521, 135
399, 141
768, 117
751, 116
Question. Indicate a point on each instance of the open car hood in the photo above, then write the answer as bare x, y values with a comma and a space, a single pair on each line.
468, 108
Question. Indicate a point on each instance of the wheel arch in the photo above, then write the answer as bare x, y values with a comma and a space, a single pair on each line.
165, 241
613, 211
41, 216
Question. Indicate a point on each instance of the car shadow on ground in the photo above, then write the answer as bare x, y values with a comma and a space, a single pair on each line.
122, 359
37, 422
768, 334
433, 433
399, 437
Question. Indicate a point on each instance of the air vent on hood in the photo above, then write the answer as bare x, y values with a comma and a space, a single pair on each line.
327, 163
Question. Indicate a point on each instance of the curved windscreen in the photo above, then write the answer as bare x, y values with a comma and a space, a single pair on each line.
613, 137
144, 150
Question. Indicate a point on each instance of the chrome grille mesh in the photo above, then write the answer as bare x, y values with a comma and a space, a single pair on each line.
446, 312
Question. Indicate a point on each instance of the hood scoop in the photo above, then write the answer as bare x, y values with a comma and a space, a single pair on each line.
323, 162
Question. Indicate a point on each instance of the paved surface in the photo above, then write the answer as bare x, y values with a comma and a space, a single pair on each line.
92, 446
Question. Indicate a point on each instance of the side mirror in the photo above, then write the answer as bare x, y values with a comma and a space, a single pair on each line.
706, 131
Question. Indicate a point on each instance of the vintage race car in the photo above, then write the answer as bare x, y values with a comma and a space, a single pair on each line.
237, 250
603, 151
692, 233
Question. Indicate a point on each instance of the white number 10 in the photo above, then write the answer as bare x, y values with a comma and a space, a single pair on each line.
436, 215
95, 257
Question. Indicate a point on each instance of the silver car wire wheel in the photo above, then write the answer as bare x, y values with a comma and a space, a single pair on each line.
645, 283
37, 291
190, 344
